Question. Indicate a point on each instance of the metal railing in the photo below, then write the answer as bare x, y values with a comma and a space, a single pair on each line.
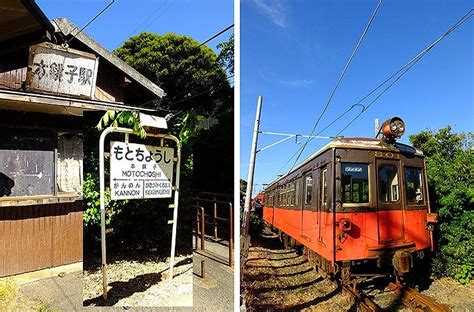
214, 218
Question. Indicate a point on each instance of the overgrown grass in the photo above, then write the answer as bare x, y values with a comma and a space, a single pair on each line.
8, 292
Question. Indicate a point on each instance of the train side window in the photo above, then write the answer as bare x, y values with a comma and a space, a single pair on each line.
414, 185
355, 183
308, 190
292, 193
388, 183
296, 192
324, 187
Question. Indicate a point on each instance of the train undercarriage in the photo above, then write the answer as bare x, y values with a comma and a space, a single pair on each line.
398, 264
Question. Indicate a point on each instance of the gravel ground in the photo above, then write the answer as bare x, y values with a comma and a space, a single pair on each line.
447, 291
141, 283
281, 280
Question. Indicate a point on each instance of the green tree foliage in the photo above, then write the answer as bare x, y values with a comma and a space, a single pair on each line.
450, 166
226, 55
196, 86
190, 74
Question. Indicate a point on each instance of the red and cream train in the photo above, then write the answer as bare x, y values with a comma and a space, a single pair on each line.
359, 206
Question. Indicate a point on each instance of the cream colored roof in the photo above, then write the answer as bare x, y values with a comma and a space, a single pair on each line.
357, 143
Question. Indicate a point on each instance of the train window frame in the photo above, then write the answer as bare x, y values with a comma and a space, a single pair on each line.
422, 186
369, 186
296, 192
323, 187
283, 195
379, 180
306, 177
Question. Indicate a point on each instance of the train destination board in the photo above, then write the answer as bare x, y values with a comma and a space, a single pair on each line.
140, 171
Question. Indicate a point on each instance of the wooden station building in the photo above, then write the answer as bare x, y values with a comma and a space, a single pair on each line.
45, 89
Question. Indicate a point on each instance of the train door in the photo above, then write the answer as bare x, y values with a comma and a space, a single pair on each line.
389, 203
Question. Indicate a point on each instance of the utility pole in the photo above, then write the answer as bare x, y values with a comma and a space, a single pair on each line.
253, 152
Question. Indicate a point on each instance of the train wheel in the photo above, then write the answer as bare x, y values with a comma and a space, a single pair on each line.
322, 271
292, 242
346, 273
285, 241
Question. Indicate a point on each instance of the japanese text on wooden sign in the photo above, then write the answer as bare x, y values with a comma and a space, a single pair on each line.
55, 69
140, 171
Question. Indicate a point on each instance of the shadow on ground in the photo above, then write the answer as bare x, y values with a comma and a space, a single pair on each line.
281, 280
120, 290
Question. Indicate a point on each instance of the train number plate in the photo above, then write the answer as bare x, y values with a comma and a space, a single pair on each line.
391, 155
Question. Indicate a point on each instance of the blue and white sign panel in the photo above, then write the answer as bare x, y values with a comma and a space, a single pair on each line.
140, 171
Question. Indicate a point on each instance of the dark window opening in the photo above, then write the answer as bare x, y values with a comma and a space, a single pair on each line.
355, 183
388, 183
414, 185
324, 187
309, 190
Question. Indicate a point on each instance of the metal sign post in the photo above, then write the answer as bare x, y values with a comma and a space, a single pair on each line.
149, 175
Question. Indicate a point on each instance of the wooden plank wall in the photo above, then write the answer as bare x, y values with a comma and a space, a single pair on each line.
13, 69
39, 236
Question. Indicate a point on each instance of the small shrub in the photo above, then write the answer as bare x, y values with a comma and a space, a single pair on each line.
8, 293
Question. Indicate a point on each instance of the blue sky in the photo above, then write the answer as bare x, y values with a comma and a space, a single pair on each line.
198, 19
292, 53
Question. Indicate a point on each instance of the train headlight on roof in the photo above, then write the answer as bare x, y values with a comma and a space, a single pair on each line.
393, 128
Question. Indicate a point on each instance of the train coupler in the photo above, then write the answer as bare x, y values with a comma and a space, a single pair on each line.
402, 261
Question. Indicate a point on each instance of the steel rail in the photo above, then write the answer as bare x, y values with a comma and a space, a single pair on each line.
416, 301
366, 304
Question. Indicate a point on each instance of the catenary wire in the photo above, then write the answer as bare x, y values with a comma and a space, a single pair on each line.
405, 68
402, 70
216, 35
93, 19
148, 18
341, 76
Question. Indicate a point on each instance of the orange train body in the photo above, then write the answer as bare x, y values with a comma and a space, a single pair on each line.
356, 200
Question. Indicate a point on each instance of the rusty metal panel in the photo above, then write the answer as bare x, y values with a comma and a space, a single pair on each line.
39, 236
58, 70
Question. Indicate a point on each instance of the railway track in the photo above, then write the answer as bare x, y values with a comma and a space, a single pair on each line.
416, 301
370, 297
410, 298
365, 303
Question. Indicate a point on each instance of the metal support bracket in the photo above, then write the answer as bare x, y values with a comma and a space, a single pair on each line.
175, 188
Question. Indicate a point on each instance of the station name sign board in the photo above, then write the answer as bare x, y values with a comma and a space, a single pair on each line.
140, 171
59, 70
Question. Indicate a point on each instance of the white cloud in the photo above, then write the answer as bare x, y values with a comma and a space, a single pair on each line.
274, 9
296, 83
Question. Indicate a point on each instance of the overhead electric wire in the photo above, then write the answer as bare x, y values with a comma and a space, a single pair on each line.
162, 13
187, 69
148, 18
341, 76
93, 19
216, 35
405, 68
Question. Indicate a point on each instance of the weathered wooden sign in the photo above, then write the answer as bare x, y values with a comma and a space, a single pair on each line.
140, 171
54, 69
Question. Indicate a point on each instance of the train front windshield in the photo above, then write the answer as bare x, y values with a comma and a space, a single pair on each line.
355, 183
